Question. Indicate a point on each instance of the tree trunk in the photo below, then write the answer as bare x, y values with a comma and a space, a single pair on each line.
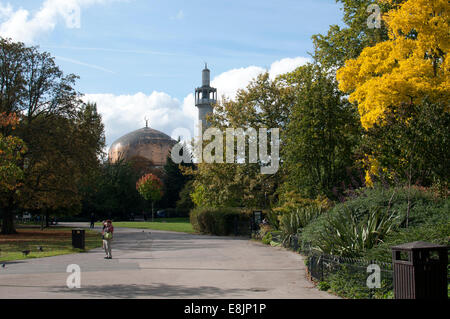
153, 213
8, 226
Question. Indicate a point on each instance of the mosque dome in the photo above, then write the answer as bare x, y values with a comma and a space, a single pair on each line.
146, 143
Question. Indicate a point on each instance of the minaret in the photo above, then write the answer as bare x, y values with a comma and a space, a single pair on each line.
205, 97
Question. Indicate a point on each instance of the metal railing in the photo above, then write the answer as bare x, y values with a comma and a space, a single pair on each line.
350, 275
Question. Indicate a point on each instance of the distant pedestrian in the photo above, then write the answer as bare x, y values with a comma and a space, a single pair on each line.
92, 221
108, 230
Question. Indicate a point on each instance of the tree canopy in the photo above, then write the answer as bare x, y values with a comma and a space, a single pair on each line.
64, 136
409, 65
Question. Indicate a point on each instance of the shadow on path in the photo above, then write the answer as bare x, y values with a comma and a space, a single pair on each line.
156, 290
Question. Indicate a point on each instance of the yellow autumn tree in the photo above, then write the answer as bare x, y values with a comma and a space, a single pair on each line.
412, 64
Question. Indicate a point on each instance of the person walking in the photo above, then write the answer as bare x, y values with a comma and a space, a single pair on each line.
92, 221
107, 233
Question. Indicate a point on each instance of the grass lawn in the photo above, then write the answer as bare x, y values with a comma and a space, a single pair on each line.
170, 224
54, 241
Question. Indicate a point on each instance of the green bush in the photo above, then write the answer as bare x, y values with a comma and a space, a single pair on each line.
364, 226
348, 283
267, 238
438, 233
364, 222
423, 203
323, 286
218, 221
293, 222
345, 235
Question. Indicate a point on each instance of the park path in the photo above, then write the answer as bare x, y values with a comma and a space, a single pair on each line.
161, 264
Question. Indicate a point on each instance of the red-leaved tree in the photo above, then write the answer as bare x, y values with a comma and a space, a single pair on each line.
151, 188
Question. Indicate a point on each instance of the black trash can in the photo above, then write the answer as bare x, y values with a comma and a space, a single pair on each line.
78, 236
420, 271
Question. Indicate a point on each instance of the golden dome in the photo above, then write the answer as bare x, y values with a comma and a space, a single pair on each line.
146, 142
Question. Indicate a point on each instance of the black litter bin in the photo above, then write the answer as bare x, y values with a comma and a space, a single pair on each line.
78, 236
420, 271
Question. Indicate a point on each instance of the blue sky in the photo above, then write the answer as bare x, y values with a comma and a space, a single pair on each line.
148, 55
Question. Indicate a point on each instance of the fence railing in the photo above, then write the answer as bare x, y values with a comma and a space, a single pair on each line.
349, 274
359, 277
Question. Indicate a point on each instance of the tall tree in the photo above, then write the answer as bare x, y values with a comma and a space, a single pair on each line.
112, 191
55, 125
12, 149
321, 135
260, 105
151, 189
173, 182
408, 70
347, 42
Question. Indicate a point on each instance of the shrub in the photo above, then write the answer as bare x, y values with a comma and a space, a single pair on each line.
423, 203
323, 286
264, 229
218, 221
437, 233
368, 226
366, 221
295, 212
267, 238
346, 236
291, 223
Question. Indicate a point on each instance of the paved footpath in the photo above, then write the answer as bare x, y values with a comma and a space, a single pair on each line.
161, 264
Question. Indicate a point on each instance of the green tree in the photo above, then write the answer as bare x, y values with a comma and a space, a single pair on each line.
12, 149
151, 189
174, 181
62, 144
412, 143
260, 105
343, 43
185, 203
111, 192
322, 133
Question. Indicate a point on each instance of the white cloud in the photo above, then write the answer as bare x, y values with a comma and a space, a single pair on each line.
228, 83
125, 113
21, 26
287, 65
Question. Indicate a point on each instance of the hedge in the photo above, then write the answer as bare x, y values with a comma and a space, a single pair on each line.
220, 221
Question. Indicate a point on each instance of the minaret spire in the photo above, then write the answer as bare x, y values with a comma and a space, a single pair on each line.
205, 97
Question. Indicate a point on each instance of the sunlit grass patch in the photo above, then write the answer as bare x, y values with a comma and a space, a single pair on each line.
31, 242
170, 224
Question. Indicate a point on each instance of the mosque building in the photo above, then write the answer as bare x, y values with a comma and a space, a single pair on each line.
150, 148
